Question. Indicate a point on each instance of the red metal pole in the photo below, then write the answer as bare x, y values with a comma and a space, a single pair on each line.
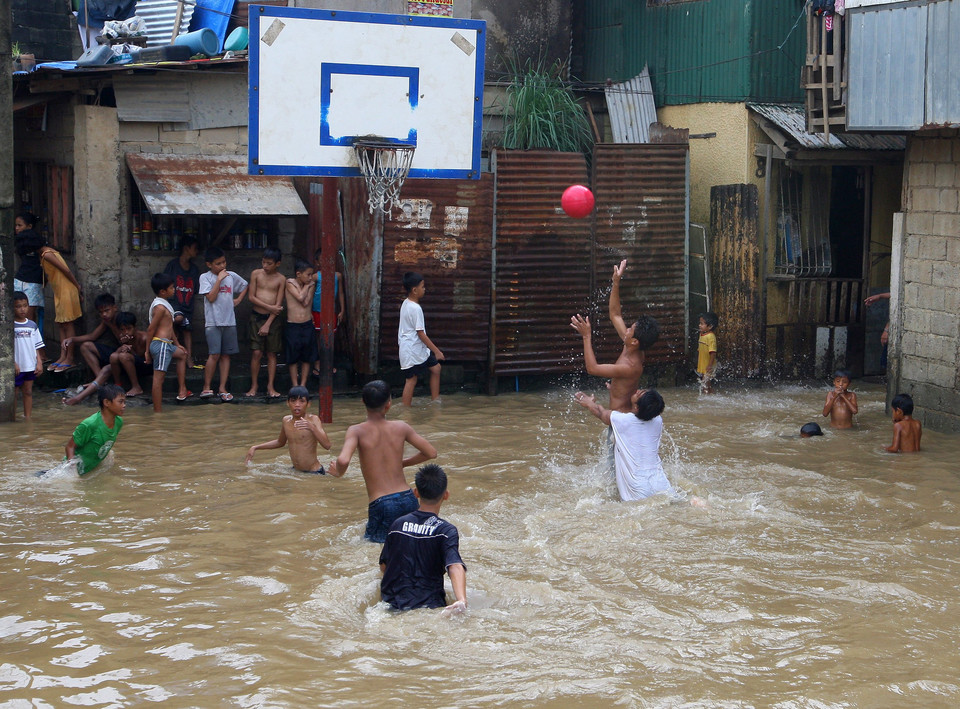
329, 242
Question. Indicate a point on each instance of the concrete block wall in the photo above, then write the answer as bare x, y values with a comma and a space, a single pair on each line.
926, 319
45, 28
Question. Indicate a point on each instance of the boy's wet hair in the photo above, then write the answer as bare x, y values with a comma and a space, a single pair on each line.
212, 254
103, 300
375, 394
108, 392
811, 429
646, 330
187, 241
710, 319
298, 393
411, 279
125, 317
431, 482
160, 281
272, 253
18, 295
842, 373
649, 405
300, 266
904, 402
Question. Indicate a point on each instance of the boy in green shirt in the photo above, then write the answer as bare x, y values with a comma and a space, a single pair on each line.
96, 434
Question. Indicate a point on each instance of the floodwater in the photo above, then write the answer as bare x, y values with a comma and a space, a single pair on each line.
824, 572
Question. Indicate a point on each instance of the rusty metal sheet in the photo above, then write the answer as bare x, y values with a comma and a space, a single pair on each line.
735, 271
362, 263
542, 263
210, 185
443, 230
641, 215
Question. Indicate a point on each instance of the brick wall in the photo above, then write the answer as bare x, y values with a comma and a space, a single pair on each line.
925, 355
46, 28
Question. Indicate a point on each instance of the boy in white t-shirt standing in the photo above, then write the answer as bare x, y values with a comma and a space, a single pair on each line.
222, 291
417, 353
27, 344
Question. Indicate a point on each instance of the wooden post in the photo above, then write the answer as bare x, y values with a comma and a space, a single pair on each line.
329, 240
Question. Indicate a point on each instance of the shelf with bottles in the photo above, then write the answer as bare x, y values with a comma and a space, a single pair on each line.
164, 234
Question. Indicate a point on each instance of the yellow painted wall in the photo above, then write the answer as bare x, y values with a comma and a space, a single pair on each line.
723, 160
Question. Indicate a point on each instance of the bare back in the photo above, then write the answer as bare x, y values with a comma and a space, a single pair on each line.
623, 387
907, 433
380, 447
162, 323
267, 288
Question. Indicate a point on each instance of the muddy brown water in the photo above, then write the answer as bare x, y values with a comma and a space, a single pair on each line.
824, 573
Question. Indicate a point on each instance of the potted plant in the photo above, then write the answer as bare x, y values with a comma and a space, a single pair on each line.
22, 61
15, 54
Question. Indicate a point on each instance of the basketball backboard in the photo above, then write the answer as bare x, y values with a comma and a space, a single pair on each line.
319, 79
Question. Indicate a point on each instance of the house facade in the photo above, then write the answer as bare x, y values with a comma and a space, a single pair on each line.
798, 228
898, 64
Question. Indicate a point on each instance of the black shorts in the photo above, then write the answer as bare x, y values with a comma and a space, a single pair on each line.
301, 342
418, 369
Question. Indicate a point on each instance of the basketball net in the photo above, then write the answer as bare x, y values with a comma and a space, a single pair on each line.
384, 167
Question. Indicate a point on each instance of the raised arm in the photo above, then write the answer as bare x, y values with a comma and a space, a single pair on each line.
316, 428
609, 371
425, 448
591, 405
851, 400
616, 315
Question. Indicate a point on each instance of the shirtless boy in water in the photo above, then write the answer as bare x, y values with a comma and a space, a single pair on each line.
300, 432
380, 443
906, 429
625, 373
841, 405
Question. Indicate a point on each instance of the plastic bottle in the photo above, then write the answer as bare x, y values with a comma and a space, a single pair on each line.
146, 231
164, 237
135, 233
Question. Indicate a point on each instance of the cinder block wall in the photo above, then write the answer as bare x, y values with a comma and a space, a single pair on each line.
925, 305
46, 28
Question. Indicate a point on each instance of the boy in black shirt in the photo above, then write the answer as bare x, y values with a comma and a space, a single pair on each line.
419, 548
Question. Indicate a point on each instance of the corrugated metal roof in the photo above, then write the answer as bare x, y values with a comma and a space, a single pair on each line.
631, 108
210, 185
160, 16
790, 118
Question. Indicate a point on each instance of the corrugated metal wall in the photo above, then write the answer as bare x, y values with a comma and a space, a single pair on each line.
542, 262
641, 193
903, 66
451, 248
717, 50
735, 273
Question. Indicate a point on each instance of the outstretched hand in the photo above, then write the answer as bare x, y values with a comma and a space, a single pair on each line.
618, 270
581, 325
455, 608
586, 401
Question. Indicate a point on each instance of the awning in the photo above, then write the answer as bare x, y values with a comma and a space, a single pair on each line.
786, 124
210, 185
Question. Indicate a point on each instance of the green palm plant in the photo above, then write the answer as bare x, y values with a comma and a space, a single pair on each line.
542, 112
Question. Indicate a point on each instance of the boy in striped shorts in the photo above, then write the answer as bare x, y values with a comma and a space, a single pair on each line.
164, 347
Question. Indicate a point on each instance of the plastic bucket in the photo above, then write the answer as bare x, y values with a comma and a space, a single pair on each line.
203, 41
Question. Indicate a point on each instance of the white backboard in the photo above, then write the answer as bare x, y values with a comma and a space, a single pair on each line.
321, 78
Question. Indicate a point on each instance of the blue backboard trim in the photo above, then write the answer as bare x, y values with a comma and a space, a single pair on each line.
330, 69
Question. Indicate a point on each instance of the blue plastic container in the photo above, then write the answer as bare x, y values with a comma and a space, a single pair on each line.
203, 41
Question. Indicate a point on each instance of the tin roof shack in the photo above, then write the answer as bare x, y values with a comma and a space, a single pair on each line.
742, 178
832, 200
155, 154
900, 70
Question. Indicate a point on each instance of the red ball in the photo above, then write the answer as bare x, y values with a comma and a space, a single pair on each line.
577, 201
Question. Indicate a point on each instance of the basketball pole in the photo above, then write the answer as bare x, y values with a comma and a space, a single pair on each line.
329, 238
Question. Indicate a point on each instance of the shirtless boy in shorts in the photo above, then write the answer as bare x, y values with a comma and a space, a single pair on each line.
300, 432
625, 373
841, 405
266, 328
380, 443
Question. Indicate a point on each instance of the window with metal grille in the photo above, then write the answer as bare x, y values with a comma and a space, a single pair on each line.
803, 225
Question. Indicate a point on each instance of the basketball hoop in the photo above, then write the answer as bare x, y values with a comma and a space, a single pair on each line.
384, 167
